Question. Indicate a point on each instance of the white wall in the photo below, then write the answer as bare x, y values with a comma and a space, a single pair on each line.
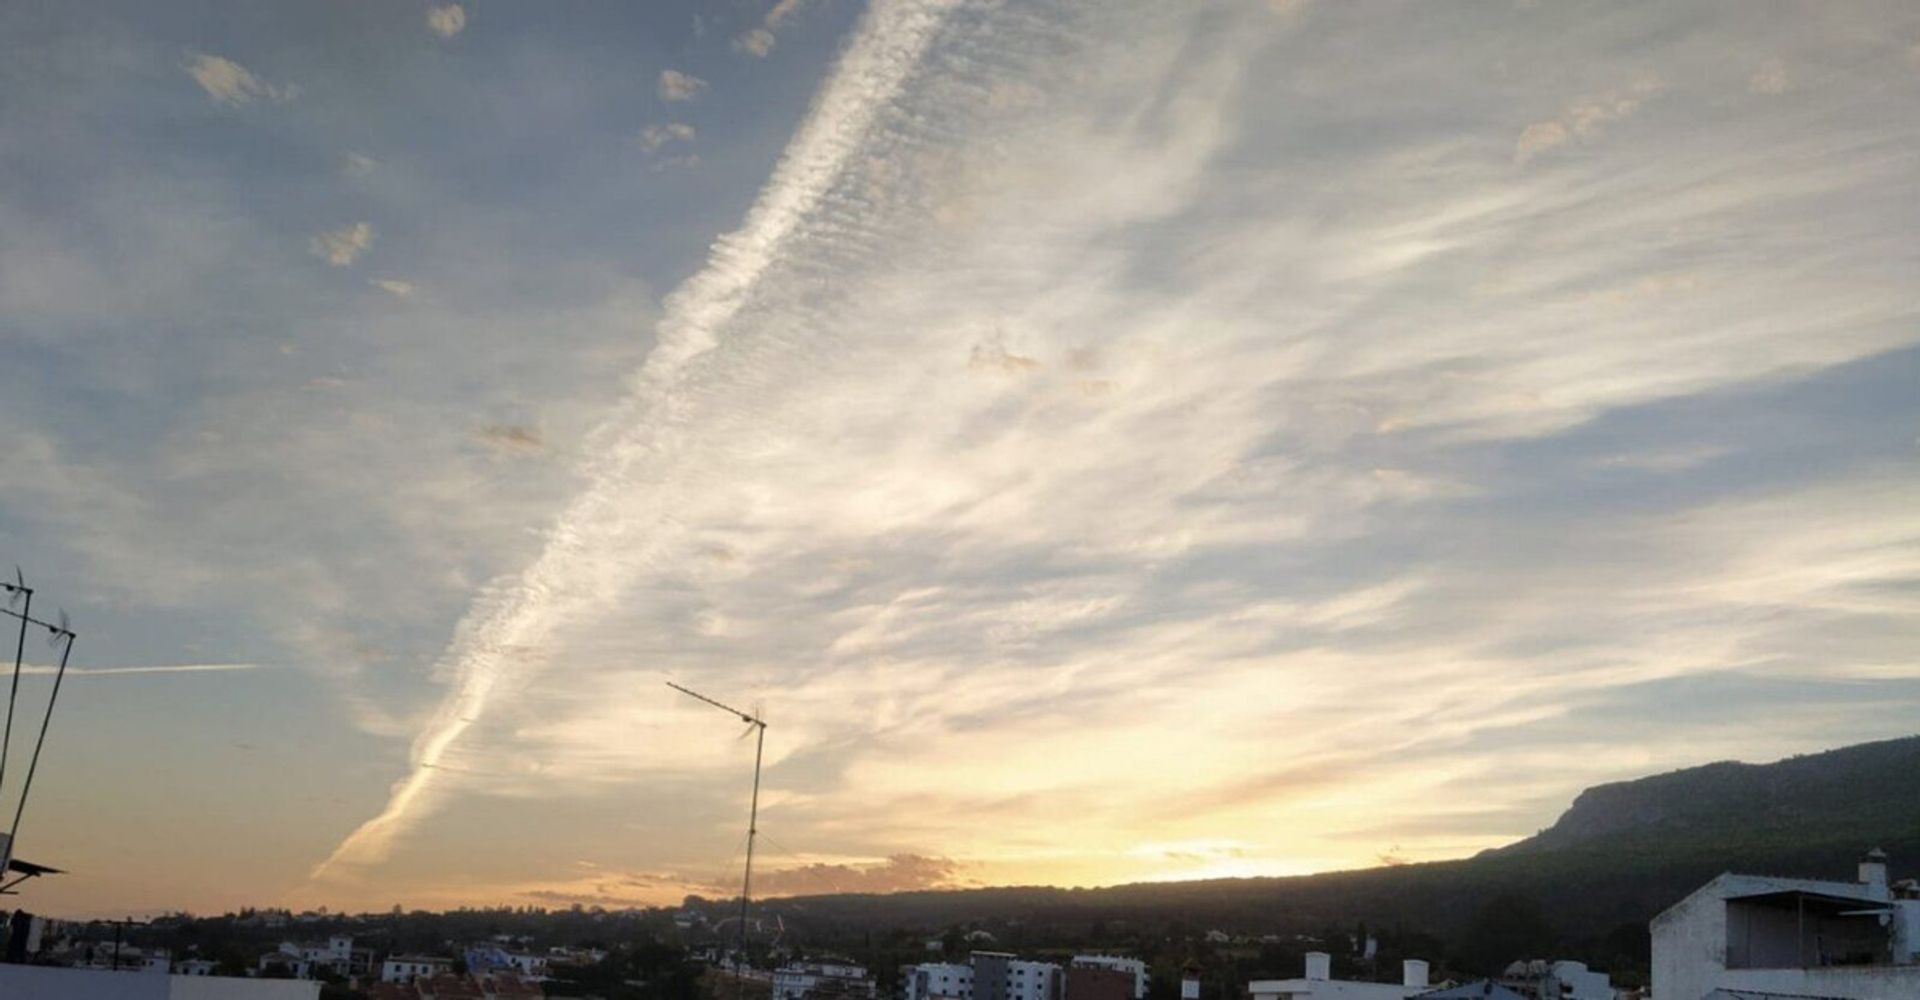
943, 979
38, 981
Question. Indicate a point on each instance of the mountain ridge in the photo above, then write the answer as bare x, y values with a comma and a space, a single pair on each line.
1620, 853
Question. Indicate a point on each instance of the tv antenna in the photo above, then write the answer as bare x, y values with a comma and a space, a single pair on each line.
758, 727
60, 634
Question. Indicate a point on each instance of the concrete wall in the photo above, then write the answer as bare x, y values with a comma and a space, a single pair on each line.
1858, 982
35, 981
990, 975
1690, 945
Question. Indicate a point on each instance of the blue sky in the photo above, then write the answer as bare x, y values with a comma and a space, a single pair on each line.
1111, 442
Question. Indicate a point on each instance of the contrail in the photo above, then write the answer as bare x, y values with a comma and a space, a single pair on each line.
574, 574
170, 668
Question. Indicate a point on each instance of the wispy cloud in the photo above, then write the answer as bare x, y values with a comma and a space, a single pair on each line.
512, 438
497, 642
229, 83
675, 86
1088, 385
1771, 78
654, 137
1585, 118
341, 247
758, 41
447, 21
172, 668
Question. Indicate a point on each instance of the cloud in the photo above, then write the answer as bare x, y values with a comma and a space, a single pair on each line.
341, 247
899, 873
979, 450
759, 40
512, 438
447, 21
992, 355
653, 137
1585, 118
180, 668
677, 86
567, 579
756, 42
358, 164
1538, 138
231, 84
393, 286
1771, 78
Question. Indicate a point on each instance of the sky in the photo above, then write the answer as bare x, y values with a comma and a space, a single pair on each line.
1107, 442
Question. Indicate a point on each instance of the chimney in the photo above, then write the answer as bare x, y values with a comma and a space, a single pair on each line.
1873, 873
1319, 966
1413, 972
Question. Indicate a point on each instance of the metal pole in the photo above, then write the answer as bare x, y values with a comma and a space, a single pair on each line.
34, 764
753, 826
753, 830
19, 651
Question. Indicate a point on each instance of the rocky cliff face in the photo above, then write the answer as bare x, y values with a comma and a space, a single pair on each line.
1825, 794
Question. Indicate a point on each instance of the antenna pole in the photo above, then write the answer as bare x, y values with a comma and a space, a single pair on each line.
19, 652
753, 830
753, 825
33, 765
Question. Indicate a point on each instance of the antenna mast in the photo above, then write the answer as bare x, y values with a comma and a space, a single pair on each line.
759, 726
60, 634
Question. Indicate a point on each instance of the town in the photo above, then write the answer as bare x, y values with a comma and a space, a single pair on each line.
1738, 937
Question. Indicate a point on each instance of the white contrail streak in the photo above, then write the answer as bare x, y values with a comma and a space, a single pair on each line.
169, 668
583, 564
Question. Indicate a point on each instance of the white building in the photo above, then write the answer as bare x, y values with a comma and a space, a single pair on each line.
407, 968
1132, 966
998, 975
1319, 984
801, 980
291, 961
988, 975
937, 981
1756, 934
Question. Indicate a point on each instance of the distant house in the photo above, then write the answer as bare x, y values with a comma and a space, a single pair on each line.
1742, 935
407, 968
1319, 984
285, 964
822, 981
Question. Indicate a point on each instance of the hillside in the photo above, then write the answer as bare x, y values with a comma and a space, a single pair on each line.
1867, 791
1619, 855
